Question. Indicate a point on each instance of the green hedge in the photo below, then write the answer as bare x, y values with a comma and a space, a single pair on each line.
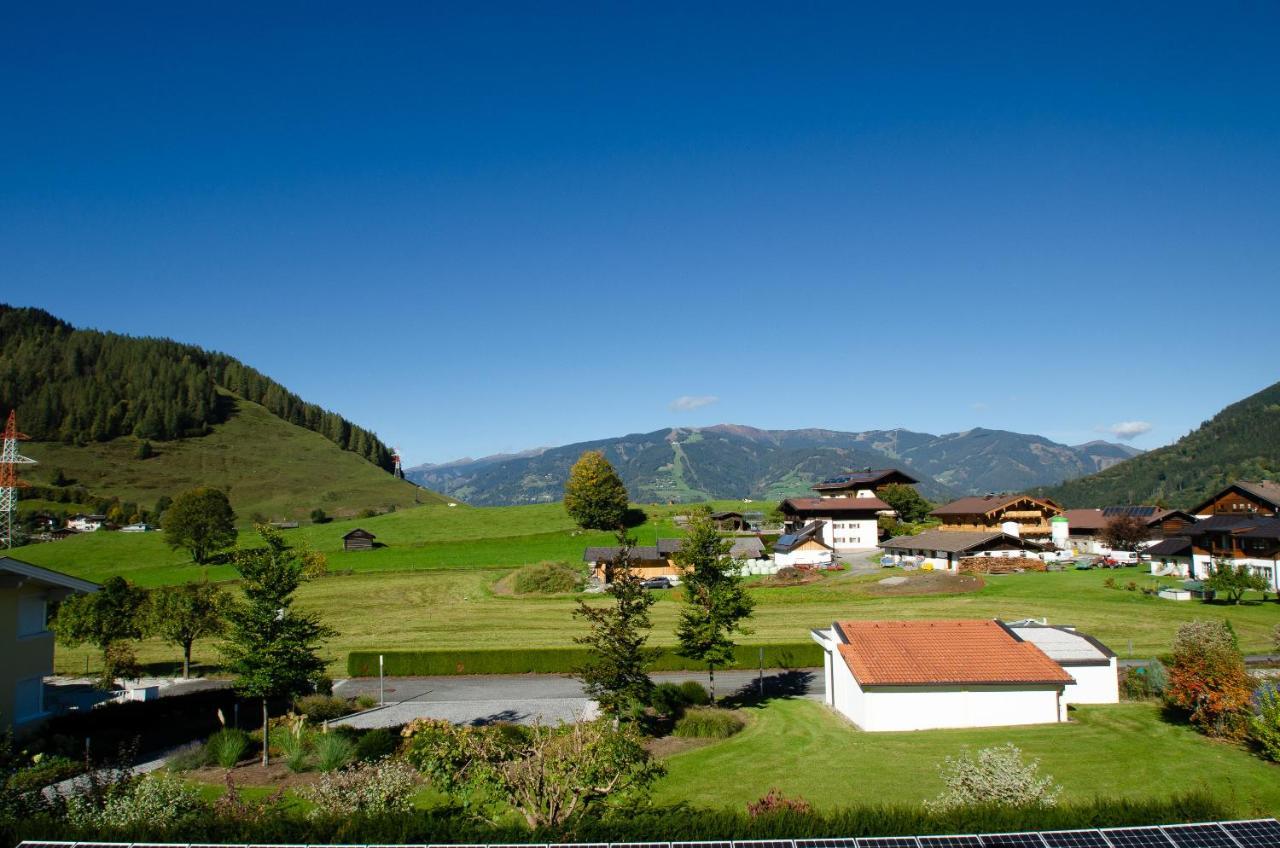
560, 660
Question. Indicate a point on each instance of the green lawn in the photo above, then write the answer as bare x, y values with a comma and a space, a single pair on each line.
1116, 751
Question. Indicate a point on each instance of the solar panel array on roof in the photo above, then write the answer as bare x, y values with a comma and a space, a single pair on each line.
1253, 833
1135, 511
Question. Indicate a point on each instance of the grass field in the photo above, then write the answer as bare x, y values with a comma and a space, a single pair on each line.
265, 464
1115, 751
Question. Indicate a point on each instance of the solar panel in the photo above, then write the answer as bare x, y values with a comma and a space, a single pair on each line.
1199, 836
701, 845
1262, 833
641, 845
1012, 840
888, 842
764, 843
826, 843
1137, 837
950, 842
1074, 839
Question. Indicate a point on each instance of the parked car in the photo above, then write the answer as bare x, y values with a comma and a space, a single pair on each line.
657, 583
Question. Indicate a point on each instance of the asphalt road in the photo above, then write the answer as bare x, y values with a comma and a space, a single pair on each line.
524, 698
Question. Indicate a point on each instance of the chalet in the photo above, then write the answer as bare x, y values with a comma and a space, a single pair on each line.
943, 549
805, 547
862, 484
1015, 514
730, 522
1241, 539
86, 523
847, 524
1084, 526
657, 560
26, 591
1242, 498
358, 540
920, 675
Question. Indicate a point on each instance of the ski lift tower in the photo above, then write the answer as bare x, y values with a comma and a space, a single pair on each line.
10, 459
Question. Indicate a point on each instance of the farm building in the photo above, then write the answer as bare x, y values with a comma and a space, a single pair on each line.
862, 484
656, 560
26, 591
730, 522
1084, 526
943, 549
358, 540
1018, 515
847, 524
921, 675
1091, 664
806, 547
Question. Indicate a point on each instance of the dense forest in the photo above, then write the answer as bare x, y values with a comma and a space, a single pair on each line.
79, 386
1242, 442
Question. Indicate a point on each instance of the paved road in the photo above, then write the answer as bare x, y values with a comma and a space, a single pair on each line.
523, 698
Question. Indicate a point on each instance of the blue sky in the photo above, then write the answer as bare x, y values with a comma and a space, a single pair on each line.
493, 228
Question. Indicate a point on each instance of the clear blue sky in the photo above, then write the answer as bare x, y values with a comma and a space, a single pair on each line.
500, 228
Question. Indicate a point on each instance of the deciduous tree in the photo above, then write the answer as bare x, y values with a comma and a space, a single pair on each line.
1232, 581
201, 522
271, 648
594, 495
1207, 679
104, 619
182, 614
906, 501
716, 603
1124, 533
615, 673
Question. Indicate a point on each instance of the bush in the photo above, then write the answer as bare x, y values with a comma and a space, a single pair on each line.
1208, 680
668, 700
366, 702
1264, 726
321, 708
774, 803
158, 801
333, 751
366, 790
228, 746
708, 723
998, 776
562, 660
188, 757
1142, 683
547, 578
376, 744
695, 694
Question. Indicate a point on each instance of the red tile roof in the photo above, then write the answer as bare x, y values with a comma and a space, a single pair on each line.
930, 653
830, 506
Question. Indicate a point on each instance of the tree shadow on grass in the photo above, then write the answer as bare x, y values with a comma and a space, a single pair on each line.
789, 683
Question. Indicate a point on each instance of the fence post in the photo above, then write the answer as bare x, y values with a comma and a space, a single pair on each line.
381, 691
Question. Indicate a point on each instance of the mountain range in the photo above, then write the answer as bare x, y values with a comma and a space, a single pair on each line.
685, 464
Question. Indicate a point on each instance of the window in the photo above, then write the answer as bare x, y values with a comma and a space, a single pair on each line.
32, 615
28, 702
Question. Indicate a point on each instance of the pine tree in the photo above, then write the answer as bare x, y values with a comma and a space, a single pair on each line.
594, 495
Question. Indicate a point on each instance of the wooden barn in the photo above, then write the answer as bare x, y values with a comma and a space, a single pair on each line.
358, 540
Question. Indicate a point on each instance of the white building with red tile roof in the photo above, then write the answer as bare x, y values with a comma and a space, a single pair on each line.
921, 675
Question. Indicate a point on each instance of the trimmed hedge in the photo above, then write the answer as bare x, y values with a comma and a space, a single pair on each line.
560, 660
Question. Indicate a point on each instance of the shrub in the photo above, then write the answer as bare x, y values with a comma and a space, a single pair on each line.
695, 694
188, 757
1264, 726
708, 723
547, 578
997, 776
774, 803
375, 745
228, 746
1110, 583
320, 708
318, 516
366, 702
668, 700
1208, 680
371, 789
1144, 682
158, 801
333, 751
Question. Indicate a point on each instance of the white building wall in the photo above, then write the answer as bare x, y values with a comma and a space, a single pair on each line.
1095, 684
814, 558
1268, 568
846, 535
930, 707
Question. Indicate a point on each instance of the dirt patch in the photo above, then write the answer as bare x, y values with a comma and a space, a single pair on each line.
274, 776
666, 746
928, 583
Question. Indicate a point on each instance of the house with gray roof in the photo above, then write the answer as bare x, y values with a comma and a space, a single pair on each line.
943, 549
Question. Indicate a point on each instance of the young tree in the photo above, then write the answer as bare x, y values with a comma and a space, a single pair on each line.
107, 619
1208, 680
1124, 533
1232, 581
594, 495
271, 648
200, 521
906, 501
615, 673
182, 614
715, 601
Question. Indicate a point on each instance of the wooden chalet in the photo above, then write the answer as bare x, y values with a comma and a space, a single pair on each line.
1242, 498
1086, 525
1249, 540
358, 540
1029, 516
862, 484
730, 522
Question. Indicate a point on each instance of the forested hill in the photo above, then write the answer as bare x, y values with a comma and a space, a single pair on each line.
81, 386
1242, 442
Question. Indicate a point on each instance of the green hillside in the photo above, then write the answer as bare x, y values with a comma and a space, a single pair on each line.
266, 465
1242, 442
